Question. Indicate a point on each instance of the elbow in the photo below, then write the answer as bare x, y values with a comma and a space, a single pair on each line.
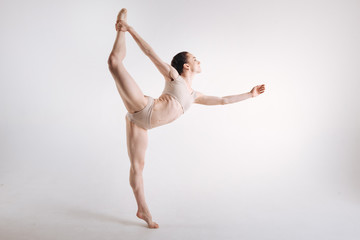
149, 51
223, 101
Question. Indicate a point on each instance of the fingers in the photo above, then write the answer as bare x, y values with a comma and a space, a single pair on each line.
261, 88
121, 25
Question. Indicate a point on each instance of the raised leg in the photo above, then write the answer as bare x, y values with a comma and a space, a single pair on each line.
132, 96
137, 141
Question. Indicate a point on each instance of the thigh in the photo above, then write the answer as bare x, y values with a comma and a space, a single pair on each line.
128, 89
137, 141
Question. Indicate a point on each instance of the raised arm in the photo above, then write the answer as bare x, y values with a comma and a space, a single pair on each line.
212, 100
165, 69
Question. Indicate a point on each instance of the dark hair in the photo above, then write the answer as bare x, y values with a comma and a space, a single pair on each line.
179, 60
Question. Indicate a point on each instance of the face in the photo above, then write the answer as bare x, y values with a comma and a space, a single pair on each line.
193, 63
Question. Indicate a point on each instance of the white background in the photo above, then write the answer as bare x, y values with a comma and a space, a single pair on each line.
284, 165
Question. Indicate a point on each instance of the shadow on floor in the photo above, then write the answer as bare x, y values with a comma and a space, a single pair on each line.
88, 214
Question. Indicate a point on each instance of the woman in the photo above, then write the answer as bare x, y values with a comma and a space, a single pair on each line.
145, 113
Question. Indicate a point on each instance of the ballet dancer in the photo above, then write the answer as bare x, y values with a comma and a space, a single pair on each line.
145, 112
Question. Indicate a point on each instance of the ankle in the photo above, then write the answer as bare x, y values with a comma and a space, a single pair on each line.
144, 210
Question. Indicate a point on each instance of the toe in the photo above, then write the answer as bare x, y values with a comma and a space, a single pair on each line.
122, 14
154, 225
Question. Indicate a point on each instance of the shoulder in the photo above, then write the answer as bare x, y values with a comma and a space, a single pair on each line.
197, 96
173, 74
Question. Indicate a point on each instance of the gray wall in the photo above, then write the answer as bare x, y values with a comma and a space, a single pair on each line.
289, 157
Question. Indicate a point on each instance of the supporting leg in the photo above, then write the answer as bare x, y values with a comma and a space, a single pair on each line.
137, 140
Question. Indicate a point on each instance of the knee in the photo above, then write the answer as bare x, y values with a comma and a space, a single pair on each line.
114, 61
137, 168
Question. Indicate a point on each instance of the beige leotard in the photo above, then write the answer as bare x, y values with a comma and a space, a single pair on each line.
175, 93
177, 89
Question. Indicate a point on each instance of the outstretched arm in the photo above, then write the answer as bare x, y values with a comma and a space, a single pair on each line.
212, 100
165, 69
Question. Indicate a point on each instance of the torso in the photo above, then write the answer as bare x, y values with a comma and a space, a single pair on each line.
167, 108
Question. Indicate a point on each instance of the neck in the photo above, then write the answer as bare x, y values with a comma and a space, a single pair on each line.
188, 77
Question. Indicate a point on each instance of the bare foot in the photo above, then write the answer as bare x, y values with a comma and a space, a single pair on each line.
122, 15
121, 21
147, 218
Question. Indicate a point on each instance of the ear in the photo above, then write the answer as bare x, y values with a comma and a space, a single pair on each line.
186, 66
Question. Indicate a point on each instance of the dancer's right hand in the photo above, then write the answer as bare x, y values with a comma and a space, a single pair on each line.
122, 25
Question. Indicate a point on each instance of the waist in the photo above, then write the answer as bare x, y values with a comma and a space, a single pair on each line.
171, 98
165, 110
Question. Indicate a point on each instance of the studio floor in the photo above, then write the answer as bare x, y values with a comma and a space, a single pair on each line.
37, 211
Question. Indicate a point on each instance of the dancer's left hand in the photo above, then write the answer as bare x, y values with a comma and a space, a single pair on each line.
257, 90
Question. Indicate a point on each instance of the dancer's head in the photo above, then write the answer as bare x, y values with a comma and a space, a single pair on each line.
185, 61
